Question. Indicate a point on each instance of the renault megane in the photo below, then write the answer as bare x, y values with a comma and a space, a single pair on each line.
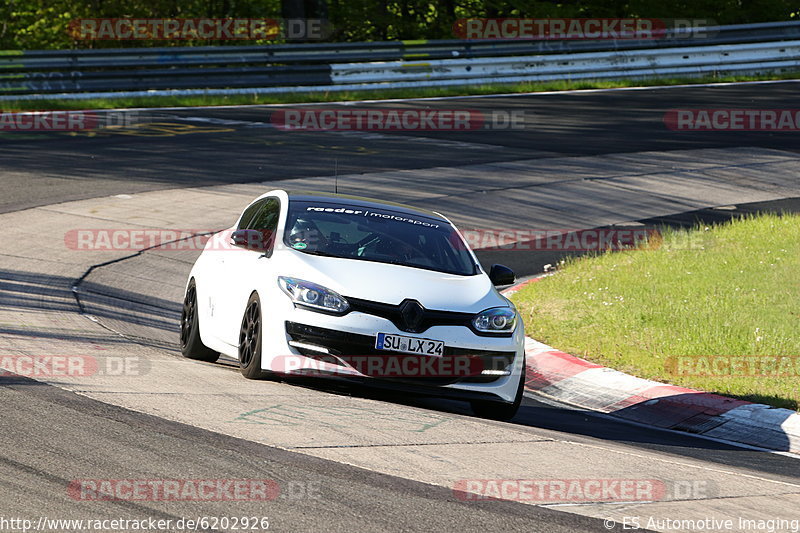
359, 289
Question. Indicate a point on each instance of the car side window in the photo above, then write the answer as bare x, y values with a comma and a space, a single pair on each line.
265, 221
250, 213
267, 216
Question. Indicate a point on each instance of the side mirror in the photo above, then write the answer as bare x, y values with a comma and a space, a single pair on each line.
252, 239
501, 275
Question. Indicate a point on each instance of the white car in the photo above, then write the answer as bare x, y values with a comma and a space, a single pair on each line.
356, 289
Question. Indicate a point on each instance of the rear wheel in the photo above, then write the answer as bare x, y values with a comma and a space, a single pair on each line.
250, 340
191, 344
496, 410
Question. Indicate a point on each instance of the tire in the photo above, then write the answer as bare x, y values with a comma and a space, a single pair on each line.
191, 344
504, 411
250, 334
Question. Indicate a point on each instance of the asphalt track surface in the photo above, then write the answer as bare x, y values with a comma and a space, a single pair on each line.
42, 169
50, 435
57, 435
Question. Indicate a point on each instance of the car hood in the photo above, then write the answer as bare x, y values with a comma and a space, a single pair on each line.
391, 284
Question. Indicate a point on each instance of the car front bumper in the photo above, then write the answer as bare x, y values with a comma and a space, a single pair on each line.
304, 342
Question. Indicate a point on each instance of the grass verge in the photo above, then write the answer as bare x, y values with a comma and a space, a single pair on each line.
382, 94
728, 290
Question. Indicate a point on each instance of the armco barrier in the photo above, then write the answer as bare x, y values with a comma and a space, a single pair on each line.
751, 48
621, 64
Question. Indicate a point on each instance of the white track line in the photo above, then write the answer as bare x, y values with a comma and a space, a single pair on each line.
577, 92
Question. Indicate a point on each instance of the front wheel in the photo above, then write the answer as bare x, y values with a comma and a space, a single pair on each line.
495, 410
250, 340
191, 344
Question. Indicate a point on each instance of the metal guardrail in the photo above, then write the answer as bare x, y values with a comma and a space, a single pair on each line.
627, 64
343, 66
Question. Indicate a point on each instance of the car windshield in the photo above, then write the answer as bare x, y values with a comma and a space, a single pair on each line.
382, 235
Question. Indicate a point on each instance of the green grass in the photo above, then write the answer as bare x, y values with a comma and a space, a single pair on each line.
300, 97
727, 290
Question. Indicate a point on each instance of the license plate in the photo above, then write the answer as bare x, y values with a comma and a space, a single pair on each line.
401, 343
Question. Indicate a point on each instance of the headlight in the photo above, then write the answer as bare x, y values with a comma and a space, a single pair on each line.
496, 320
313, 296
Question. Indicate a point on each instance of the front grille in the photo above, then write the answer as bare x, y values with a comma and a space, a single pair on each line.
341, 343
394, 313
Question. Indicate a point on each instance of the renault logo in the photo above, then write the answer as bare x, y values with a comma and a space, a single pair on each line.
411, 315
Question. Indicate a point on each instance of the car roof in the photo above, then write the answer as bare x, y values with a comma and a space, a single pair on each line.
360, 201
